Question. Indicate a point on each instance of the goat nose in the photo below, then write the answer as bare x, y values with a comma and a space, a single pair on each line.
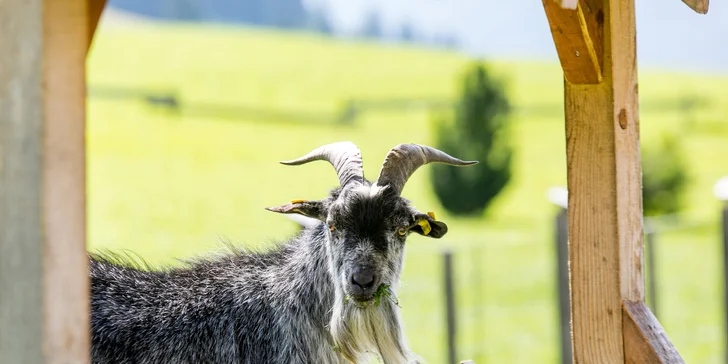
363, 278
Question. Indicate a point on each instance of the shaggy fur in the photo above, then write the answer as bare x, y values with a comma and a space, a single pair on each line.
328, 295
292, 304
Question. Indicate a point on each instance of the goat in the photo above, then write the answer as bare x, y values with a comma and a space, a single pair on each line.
325, 296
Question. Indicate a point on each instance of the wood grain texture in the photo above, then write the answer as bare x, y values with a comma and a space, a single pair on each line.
95, 9
21, 129
699, 6
628, 165
605, 204
605, 201
66, 286
43, 273
645, 341
577, 35
593, 244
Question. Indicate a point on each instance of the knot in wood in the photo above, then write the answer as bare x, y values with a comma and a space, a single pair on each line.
622, 119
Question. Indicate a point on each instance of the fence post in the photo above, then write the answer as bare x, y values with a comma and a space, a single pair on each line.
559, 196
651, 246
562, 274
450, 306
477, 262
720, 190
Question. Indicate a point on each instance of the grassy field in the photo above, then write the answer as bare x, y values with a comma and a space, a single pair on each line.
170, 185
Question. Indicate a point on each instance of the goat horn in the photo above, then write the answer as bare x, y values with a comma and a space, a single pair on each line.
344, 156
404, 159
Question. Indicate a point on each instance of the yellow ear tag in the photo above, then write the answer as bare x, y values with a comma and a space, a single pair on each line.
432, 215
425, 226
297, 201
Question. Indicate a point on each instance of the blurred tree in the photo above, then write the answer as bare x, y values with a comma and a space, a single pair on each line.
477, 129
372, 27
318, 21
286, 14
184, 10
447, 41
664, 176
407, 33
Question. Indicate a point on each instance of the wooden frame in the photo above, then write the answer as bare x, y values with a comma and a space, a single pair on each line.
95, 9
44, 305
43, 268
610, 321
578, 41
699, 6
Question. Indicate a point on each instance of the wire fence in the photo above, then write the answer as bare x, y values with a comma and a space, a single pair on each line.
468, 315
346, 111
466, 297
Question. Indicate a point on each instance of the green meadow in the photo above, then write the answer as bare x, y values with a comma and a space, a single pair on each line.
169, 185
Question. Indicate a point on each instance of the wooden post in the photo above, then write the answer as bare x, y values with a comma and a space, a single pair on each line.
650, 247
478, 257
610, 322
44, 304
562, 275
449, 306
95, 9
699, 6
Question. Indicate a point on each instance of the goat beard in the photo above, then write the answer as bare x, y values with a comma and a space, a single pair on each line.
359, 333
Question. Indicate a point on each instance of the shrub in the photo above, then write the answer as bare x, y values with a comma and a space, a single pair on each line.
475, 130
664, 177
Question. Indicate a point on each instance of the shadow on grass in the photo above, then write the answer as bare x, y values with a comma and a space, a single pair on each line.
351, 110
170, 101
252, 114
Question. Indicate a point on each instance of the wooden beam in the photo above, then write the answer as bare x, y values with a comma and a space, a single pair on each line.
699, 6
95, 9
44, 305
604, 180
577, 34
593, 211
624, 114
645, 341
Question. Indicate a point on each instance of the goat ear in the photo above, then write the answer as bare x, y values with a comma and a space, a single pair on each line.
427, 225
312, 209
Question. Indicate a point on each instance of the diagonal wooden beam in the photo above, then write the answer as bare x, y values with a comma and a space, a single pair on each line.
577, 34
700, 6
645, 341
95, 9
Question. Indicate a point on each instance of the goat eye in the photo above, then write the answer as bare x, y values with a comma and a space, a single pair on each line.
402, 231
332, 227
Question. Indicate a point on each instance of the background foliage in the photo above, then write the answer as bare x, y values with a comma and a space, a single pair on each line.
476, 130
664, 176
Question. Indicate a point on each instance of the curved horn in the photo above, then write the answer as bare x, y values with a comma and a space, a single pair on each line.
344, 156
404, 159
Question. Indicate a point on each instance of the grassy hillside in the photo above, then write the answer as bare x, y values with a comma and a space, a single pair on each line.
169, 185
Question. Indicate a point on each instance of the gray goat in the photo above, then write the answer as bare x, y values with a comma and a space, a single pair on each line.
325, 296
